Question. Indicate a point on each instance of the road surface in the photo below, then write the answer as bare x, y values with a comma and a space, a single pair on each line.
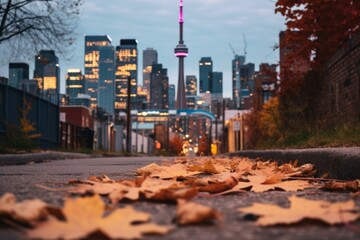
21, 180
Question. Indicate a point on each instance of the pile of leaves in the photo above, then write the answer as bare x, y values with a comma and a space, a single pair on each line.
177, 182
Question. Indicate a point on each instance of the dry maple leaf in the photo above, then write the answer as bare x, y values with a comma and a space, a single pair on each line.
26, 212
216, 183
84, 216
173, 171
195, 213
261, 183
300, 209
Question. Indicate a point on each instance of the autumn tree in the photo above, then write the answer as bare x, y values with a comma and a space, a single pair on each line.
316, 29
28, 25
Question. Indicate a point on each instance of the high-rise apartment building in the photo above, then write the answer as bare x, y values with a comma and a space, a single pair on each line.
97, 47
47, 74
191, 85
159, 85
150, 57
17, 73
205, 70
126, 66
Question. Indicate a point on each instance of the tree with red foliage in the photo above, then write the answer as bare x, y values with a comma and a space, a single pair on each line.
316, 29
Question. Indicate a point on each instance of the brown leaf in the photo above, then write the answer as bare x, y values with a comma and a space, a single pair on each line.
340, 186
217, 183
300, 209
84, 216
195, 213
26, 212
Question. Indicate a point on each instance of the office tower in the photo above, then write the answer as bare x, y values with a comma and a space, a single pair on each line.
150, 57
106, 91
181, 51
159, 85
91, 65
172, 96
75, 83
205, 70
17, 73
126, 66
216, 85
191, 85
47, 74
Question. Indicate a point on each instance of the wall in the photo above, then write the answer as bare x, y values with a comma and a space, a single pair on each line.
43, 114
338, 99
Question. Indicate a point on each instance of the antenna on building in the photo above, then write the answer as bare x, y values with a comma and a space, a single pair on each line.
245, 45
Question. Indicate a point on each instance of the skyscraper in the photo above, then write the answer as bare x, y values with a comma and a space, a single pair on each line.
93, 46
205, 70
236, 63
191, 85
17, 73
216, 86
126, 66
106, 91
150, 57
47, 74
159, 85
181, 51
172, 96
75, 83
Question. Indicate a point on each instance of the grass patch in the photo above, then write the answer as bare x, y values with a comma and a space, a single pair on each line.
345, 135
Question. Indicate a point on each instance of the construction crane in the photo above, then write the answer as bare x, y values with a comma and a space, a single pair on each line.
232, 49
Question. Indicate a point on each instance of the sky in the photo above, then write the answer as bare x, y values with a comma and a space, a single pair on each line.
209, 27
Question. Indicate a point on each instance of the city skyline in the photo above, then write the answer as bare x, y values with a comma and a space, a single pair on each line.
156, 26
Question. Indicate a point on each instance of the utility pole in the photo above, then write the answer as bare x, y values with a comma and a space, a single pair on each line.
128, 117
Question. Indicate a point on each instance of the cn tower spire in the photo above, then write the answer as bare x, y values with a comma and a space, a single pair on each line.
181, 52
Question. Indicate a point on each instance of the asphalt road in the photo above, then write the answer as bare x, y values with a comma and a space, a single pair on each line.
21, 180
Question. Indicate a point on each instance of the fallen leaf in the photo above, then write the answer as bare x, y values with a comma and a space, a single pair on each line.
84, 216
26, 212
195, 213
300, 209
216, 183
340, 186
173, 171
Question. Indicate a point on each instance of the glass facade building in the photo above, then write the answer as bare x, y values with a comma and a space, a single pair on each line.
93, 45
159, 85
17, 73
205, 70
172, 94
150, 57
75, 84
47, 74
216, 86
126, 66
106, 91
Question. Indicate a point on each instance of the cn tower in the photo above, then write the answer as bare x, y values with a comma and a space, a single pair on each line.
181, 52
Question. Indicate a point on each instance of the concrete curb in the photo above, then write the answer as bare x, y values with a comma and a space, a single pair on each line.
341, 163
17, 159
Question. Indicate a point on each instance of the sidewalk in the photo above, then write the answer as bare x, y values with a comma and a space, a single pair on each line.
341, 163
17, 159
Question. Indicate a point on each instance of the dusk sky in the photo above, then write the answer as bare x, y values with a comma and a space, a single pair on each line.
209, 27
